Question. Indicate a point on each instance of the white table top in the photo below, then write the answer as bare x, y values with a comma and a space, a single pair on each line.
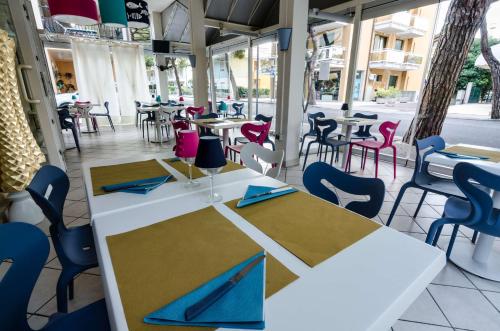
225, 124
367, 286
352, 121
118, 201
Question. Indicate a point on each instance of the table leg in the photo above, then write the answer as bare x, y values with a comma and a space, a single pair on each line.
225, 138
87, 122
348, 134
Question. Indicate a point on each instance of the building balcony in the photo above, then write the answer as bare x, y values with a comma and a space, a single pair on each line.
392, 59
418, 27
403, 24
333, 54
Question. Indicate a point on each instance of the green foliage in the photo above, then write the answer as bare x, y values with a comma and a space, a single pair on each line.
470, 73
391, 92
243, 92
182, 62
150, 61
239, 54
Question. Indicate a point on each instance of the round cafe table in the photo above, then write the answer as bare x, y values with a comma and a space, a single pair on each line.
481, 259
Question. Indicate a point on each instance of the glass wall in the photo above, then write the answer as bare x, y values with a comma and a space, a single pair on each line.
265, 59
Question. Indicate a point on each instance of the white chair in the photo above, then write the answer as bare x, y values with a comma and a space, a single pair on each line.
274, 159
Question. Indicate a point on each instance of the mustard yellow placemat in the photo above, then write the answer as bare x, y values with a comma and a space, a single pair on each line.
126, 172
493, 156
310, 228
157, 264
184, 169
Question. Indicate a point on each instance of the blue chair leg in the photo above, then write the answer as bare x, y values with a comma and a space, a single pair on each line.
474, 237
436, 237
420, 204
307, 154
452, 240
62, 291
397, 202
71, 289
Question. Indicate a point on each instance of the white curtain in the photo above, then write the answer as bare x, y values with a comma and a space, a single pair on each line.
131, 77
94, 74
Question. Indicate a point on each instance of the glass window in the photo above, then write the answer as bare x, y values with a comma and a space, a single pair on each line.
399, 44
380, 42
393, 81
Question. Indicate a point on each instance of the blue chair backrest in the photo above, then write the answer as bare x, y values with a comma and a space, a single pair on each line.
238, 107
205, 131
106, 106
425, 147
364, 131
311, 119
323, 128
28, 248
263, 118
49, 189
373, 187
466, 175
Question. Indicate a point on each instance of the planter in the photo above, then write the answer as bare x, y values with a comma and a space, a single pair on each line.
381, 101
24, 209
326, 97
391, 102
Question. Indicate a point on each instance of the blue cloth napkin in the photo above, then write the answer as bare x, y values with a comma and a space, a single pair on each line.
461, 156
254, 190
143, 189
242, 307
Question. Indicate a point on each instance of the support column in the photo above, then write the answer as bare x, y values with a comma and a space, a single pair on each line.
353, 58
161, 76
250, 79
199, 49
213, 88
293, 14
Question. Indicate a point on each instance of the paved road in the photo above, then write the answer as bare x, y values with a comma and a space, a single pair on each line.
455, 130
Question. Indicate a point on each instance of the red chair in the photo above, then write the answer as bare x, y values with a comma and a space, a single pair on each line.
388, 131
195, 110
179, 126
255, 133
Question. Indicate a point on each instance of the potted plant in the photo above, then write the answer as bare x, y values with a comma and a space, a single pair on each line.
392, 95
20, 155
381, 96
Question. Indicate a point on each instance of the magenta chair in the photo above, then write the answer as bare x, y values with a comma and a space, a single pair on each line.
179, 126
388, 131
255, 133
195, 110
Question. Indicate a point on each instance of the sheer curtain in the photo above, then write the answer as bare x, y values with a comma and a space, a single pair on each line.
131, 77
94, 74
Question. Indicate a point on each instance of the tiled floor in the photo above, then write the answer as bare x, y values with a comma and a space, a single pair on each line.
456, 300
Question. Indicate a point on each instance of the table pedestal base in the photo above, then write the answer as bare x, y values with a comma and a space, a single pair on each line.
477, 259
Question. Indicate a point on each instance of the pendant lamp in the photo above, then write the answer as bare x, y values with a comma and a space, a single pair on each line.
137, 14
80, 12
113, 13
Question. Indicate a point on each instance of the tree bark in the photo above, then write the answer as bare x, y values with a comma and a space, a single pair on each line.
176, 73
463, 19
313, 60
494, 65
232, 80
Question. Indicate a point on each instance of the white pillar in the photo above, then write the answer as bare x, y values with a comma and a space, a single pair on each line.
353, 58
250, 79
213, 88
293, 14
161, 76
199, 49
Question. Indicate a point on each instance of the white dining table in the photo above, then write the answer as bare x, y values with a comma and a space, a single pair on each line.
367, 286
225, 125
84, 109
482, 258
120, 201
159, 110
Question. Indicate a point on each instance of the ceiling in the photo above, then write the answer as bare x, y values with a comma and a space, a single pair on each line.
159, 5
59, 54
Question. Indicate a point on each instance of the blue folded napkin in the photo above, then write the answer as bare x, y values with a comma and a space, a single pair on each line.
249, 197
242, 307
143, 186
462, 156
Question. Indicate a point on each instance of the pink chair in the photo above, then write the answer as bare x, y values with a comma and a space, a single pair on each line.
388, 131
195, 110
178, 126
255, 133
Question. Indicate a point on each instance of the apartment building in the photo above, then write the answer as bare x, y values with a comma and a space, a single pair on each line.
392, 52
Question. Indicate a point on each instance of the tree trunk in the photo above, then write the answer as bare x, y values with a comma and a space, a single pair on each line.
494, 65
232, 80
462, 22
176, 73
314, 58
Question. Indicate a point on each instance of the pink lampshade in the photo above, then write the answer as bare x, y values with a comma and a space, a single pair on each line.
181, 98
81, 12
187, 143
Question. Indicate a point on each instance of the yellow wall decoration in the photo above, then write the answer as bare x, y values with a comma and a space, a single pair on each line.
20, 155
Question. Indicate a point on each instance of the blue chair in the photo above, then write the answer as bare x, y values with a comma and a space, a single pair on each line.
324, 128
67, 122
74, 246
475, 212
373, 187
262, 118
27, 248
206, 131
238, 110
311, 118
222, 108
422, 179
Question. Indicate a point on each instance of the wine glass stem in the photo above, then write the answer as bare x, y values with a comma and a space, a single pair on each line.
190, 173
211, 187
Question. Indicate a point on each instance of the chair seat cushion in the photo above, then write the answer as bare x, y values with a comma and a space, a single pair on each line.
336, 142
241, 140
92, 317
